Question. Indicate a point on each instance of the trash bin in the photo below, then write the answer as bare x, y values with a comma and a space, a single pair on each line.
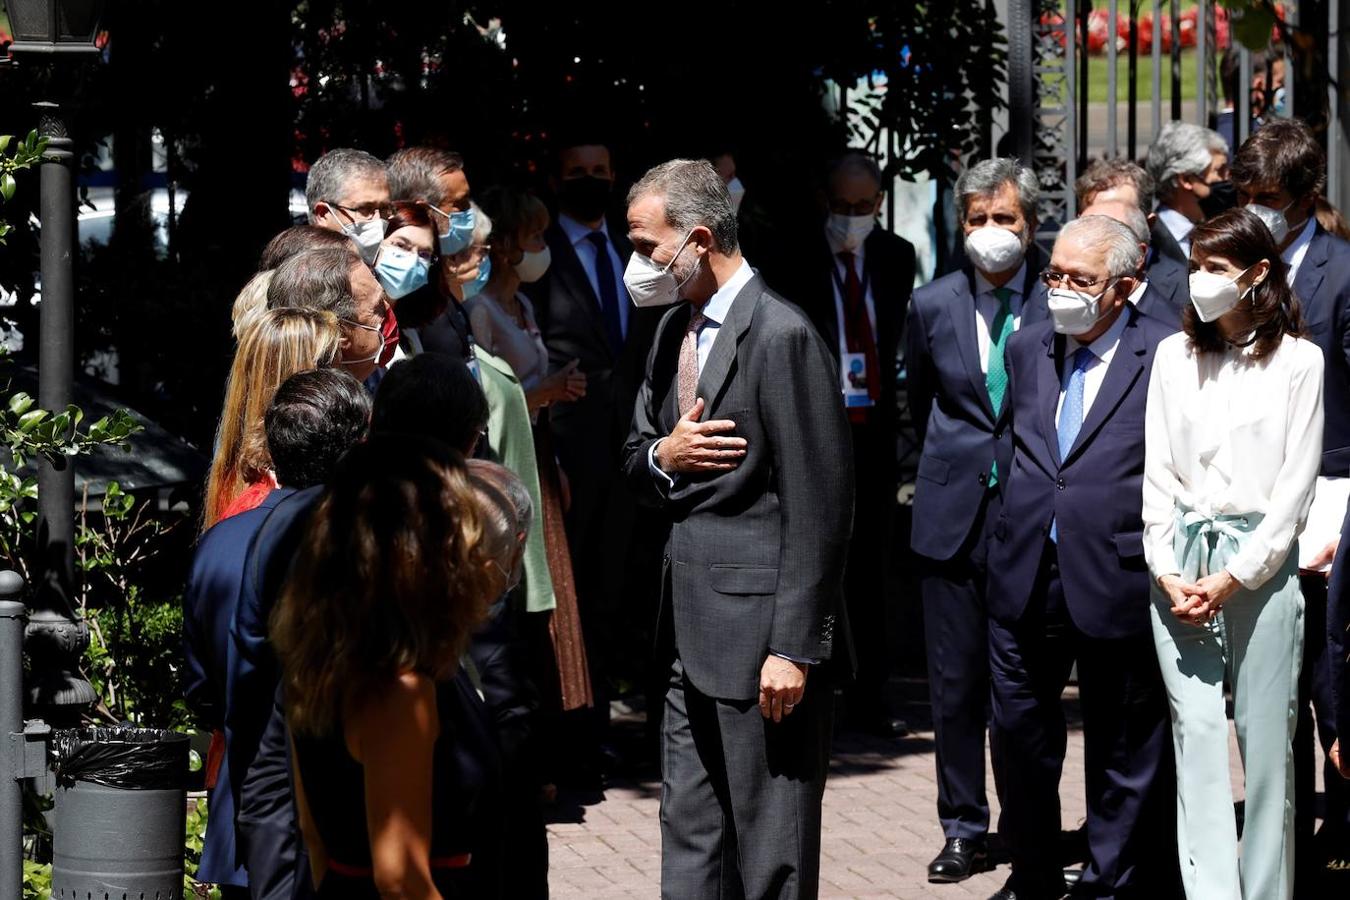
119, 814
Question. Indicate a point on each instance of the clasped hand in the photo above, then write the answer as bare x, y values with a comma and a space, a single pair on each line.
1197, 604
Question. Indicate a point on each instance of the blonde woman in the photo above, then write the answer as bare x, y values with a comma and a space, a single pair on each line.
278, 344
250, 303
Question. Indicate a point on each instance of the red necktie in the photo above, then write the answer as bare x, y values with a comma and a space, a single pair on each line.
858, 334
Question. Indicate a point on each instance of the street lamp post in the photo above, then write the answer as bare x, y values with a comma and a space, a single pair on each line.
52, 31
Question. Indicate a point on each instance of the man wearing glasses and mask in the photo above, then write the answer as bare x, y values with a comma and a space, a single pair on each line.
348, 191
1067, 581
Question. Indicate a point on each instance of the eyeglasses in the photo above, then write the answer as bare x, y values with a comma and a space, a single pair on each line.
365, 211
1050, 278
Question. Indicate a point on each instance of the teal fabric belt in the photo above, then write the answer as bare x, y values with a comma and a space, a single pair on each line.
1204, 544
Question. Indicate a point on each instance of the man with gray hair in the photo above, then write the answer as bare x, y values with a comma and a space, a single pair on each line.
335, 280
1189, 164
1162, 299
739, 438
1068, 584
956, 332
348, 191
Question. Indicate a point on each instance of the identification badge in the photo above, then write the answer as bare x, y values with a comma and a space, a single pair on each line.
853, 379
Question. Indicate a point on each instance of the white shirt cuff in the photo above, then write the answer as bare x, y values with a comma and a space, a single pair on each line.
656, 470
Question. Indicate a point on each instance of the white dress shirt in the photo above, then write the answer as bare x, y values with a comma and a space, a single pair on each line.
1294, 253
579, 235
1224, 435
841, 271
987, 306
1103, 351
1178, 226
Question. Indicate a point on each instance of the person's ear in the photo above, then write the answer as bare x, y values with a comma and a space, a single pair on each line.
1260, 271
702, 237
1124, 288
876, 207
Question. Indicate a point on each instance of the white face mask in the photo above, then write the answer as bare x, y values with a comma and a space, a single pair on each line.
533, 265
994, 249
1074, 312
849, 232
368, 236
737, 192
1213, 294
1274, 219
652, 285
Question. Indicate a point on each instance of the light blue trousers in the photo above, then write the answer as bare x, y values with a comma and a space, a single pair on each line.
1256, 641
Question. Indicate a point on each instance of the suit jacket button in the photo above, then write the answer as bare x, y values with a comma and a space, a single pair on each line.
998, 435
984, 478
1060, 484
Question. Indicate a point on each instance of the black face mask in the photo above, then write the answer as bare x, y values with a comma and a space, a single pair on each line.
586, 198
1222, 197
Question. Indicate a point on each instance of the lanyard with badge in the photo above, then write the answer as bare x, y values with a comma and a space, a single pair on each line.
853, 366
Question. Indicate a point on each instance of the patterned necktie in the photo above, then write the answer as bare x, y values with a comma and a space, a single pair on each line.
687, 374
858, 333
1071, 412
996, 371
609, 293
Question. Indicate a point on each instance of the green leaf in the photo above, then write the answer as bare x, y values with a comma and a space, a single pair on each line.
20, 403
4, 141
7, 186
30, 420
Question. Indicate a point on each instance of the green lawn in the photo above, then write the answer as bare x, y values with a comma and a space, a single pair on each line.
1097, 71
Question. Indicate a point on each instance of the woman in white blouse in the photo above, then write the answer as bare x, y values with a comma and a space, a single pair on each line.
1233, 442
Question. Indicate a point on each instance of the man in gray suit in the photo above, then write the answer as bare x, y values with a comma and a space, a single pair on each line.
740, 436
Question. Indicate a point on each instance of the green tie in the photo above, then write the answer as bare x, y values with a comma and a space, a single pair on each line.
996, 372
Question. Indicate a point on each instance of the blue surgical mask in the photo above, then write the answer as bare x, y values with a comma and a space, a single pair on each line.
400, 271
475, 287
459, 232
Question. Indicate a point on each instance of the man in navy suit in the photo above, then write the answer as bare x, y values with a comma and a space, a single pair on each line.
1124, 184
956, 331
1067, 579
312, 419
1279, 173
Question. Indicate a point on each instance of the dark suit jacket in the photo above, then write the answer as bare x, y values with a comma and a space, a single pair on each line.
1323, 291
756, 555
1093, 495
208, 610
890, 271
949, 404
254, 674
1169, 291
590, 431
1338, 634
1166, 245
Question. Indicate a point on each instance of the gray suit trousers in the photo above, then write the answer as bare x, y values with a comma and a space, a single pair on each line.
741, 795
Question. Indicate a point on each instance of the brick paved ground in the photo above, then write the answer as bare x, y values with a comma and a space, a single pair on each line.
880, 827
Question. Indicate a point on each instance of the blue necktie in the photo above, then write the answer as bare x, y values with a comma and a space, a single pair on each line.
1071, 413
609, 294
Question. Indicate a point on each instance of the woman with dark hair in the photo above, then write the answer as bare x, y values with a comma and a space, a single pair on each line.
397, 775
1233, 436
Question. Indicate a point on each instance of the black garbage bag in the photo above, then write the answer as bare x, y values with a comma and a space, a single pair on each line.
132, 758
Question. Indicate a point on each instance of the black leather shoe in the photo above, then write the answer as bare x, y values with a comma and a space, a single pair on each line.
960, 858
1005, 893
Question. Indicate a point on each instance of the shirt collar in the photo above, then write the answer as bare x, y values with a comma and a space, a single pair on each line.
717, 307
1177, 225
1293, 254
1105, 344
577, 232
1014, 284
